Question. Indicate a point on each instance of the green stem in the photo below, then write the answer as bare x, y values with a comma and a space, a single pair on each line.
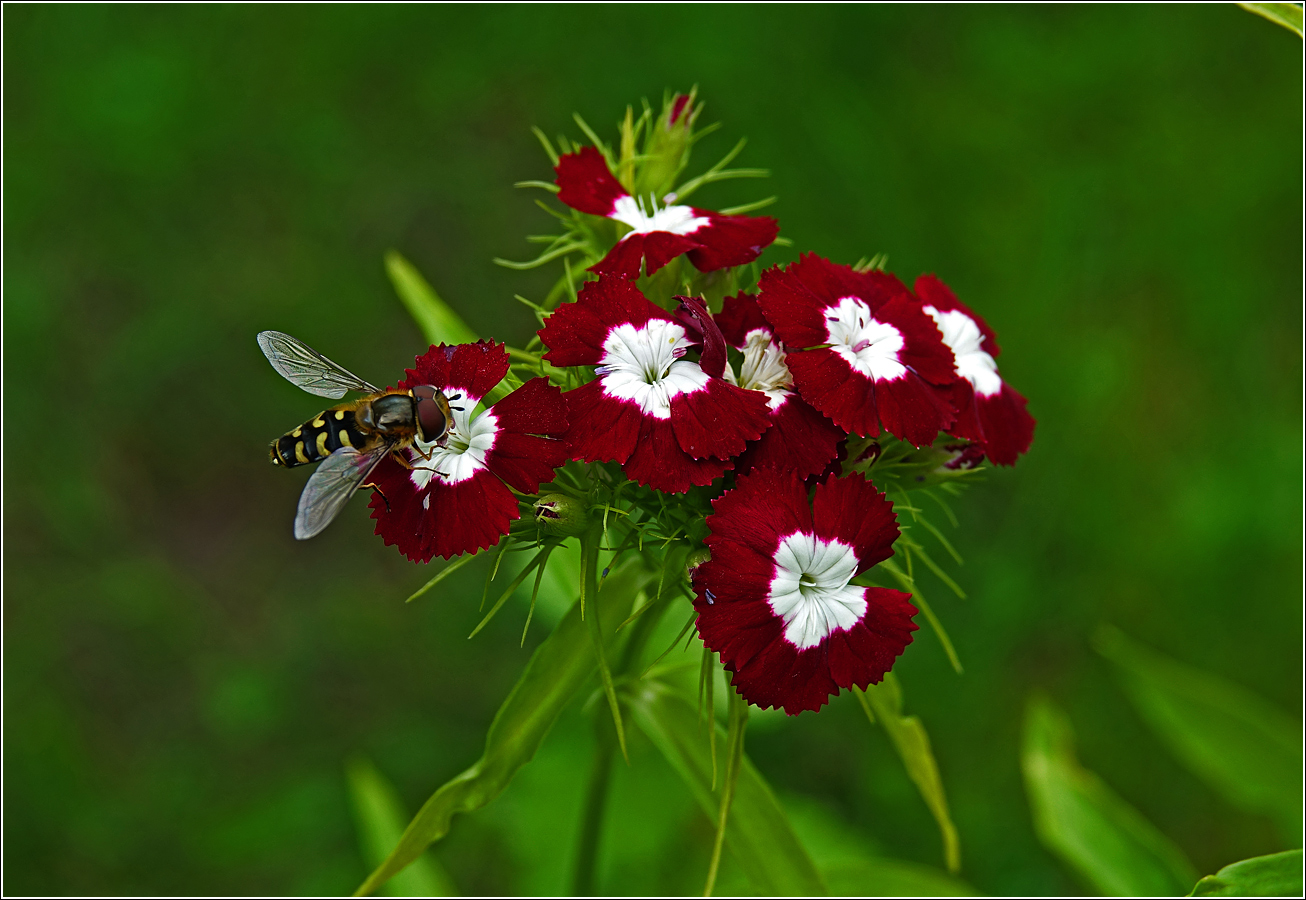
589, 612
591, 823
734, 759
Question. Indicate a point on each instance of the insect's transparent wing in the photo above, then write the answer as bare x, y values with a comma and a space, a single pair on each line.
332, 484
304, 367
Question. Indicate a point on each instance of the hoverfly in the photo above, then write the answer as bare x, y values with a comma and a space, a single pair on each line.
352, 438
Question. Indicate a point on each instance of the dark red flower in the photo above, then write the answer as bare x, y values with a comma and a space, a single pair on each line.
457, 500
658, 233
775, 599
875, 359
800, 439
989, 411
669, 423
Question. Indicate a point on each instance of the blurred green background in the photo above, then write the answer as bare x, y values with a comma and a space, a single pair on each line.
1117, 189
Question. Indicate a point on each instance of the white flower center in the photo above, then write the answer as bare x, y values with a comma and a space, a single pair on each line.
675, 219
644, 366
963, 337
810, 589
463, 454
869, 346
763, 368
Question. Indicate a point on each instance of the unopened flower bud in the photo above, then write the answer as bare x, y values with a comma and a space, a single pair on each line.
561, 514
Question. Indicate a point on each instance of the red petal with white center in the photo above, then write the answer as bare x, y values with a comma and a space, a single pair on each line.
469, 369
586, 183
735, 616
603, 428
933, 292
575, 332
794, 300
523, 455
924, 351
827, 382
851, 510
444, 519
730, 240
657, 460
800, 440
718, 420
1008, 426
740, 315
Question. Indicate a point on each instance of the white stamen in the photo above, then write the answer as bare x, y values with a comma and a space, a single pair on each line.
869, 345
643, 365
963, 336
675, 219
810, 589
763, 368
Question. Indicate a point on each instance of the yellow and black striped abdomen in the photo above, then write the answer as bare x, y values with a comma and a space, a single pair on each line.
318, 438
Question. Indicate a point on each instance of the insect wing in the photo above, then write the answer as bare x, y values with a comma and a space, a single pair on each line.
304, 367
331, 486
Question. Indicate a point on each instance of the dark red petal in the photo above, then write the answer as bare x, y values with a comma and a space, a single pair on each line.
762, 508
661, 247
739, 315
677, 107
718, 420
912, 410
698, 322
602, 428
961, 394
586, 183
825, 380
730, 240
458, 518
623, 260
851, 510
469, 369
575, 332
536, 407
933, 292
793, 310
526, 460
1008, 426
658, 462
800, 440
923, 349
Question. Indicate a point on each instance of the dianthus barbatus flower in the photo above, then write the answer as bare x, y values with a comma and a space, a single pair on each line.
989, 411
658, 233
669, 423
875, 359
775, 599
800, 438
457, 500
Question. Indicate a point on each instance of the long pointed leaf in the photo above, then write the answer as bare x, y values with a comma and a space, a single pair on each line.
758, 834
556, 671
1079, 818
439, 323
913, 745
1276, 875
1232, 739
380, 816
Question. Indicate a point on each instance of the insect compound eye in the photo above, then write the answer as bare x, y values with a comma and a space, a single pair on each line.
432, 413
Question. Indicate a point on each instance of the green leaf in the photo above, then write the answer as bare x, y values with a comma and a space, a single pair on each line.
380, 817
1276, 875
439, 323
1232, 739
883, 703
557, 670
758, 833
879, 877
1289, 15
1080, 819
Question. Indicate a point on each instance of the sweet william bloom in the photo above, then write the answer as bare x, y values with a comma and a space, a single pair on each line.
860, 348
667, 421
775, 600
989, 411
800, 439
658, 233
458, 500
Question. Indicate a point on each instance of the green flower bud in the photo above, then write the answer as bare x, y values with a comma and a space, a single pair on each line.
668, 145
561, 514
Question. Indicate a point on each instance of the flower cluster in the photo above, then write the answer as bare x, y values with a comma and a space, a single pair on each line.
758, 401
